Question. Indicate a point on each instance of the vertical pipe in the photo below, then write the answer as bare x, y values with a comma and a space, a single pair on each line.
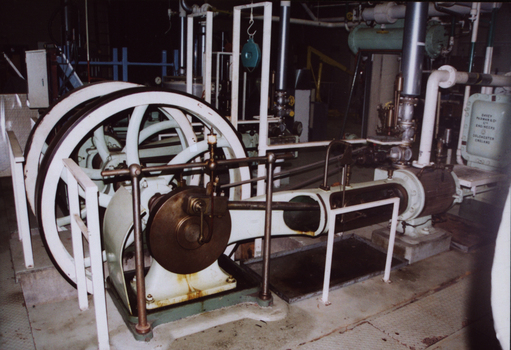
217, 79
87, 39
355, 75
116, 64
489, 49
142, 327
244, 101
182, 38
475, 12
265, 294
477, 8
265, 88
189, 55
164, 63
124, 64
413, 46
285, 11
208, 56
235, 67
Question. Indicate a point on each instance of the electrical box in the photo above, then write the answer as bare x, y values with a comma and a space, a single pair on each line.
486, 142
37, 79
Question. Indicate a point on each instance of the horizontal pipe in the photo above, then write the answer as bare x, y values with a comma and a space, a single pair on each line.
482, 79
174, 167
253, 205
120, 63
313, 23
390, 14
288, 173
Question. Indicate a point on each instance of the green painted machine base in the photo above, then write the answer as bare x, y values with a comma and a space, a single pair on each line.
247, 291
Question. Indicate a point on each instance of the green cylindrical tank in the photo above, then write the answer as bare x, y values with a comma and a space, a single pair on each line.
390, 37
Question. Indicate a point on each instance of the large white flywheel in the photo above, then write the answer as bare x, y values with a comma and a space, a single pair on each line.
179, 109
58, 113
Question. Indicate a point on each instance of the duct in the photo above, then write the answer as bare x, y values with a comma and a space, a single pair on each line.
413, 47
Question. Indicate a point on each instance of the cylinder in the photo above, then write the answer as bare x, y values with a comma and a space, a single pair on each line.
413, 46
285, 12
363, 37
439, 189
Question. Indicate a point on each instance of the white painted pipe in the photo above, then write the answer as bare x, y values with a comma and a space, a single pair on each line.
487, 68
428, 122
446, 77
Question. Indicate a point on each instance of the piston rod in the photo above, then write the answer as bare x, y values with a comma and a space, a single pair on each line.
253, 205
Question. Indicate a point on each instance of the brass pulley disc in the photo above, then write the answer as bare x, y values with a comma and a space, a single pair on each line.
173, 233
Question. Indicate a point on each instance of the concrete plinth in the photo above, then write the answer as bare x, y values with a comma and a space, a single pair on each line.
43, 283
415, 249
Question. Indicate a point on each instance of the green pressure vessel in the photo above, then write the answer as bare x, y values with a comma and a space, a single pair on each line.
390, 37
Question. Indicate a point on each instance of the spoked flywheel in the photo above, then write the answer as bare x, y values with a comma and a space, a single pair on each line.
169, 138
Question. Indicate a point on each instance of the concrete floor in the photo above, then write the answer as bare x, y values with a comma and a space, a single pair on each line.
442, 302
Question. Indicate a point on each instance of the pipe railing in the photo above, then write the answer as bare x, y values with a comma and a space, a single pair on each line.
332, 213
77, 178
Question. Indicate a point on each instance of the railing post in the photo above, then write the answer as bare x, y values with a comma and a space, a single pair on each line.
18, 185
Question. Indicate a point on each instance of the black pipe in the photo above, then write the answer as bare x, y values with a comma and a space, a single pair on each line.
259, 205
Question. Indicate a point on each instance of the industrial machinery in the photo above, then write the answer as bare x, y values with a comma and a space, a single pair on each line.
188, 225
170, 168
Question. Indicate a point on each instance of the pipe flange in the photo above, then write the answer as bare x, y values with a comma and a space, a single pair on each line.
452, 77
382, 13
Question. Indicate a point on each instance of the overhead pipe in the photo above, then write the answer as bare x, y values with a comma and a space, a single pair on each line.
446, 77
390, 12
394, 13
307, 22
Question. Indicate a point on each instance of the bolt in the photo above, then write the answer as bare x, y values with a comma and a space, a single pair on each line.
149, 299
230, 279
